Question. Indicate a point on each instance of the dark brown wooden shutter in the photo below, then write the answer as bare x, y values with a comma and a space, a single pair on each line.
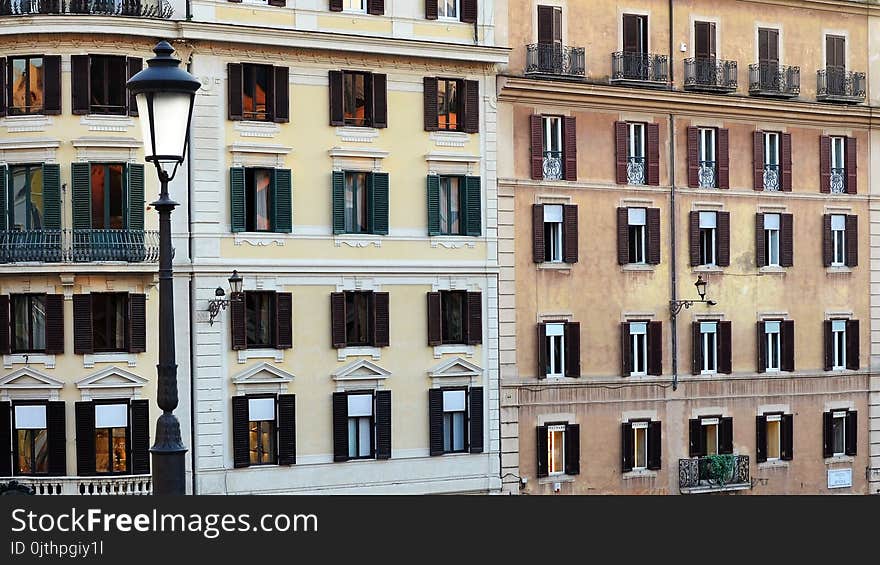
3, 113
474, 318
570, 233
693, 157
828, 341
827, 435
54, 323
541, 451
137, 323
340, 426
82, 320
695, 438
758, 160
432, 123
286, 407
852, 433
626, 360
282, 94
622, 236
655, 445
621, 142
696, 349
4, 324
337, 320
652, 138
722, 156
140, 437
376, 7
852, 345
283, 320
694, 238
135, 64
337, 114
431, 12
475, 417
827, 241
786, 240
471, 96
381, 320
723, 233
5, 435
383, 424
725, 348
573, 349
627, 442
538, 233
542, 351
787, 439
725, 436
655, 348
238, 322
653, 232
278, 3
435, 319
824, 163
335, 5
761, 347
380, 101
787, 355
79, 81
572, 449
569, 147
52, 84
234, 90
435, 418
760, 242
760, 438
851, 161
545, 24
852, 241
469, 11
240, 432
536, 134
85, 438
785, 147
56, 432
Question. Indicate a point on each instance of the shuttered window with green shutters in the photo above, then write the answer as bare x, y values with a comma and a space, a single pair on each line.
454, 205
360, 202
260, 200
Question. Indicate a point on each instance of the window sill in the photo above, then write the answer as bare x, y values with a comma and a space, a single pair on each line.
257, 128
260, 239
48, 361
344, 352
845, 459
262, 353
357, 134
89, 359
552, 266
778, 464
452, 241
839, 271
637, 267
107, 122
449, 138
26, 123
556, 479
772, 271
453, 349
639, 474
357, 240
707, 269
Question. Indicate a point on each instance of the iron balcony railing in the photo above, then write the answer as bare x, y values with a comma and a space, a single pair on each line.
553, 165
115, 485
553, 59
707, 174
770, 79
836, 84
647, 69
79, 246
714, 473
635, 170
133, 8
838, 180
771, 178
716, 75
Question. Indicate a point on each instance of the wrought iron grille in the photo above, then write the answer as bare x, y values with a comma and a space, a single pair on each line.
707, 174
838, 180
635, 170
552, 165
715, 74
771, 178
645, 67
775, 80
697, 472
837, 82
76, 246
135, 8
554, 59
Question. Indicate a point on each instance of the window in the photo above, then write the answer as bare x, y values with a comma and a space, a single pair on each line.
708, 238
361, 319
256, 89
775, 434
771, 239
838, 433
354, 5
708, 178
26, 85
449, 103
107, 78
838, 240
355, 101
640, 445
838, 344
635, 34
360, 426
108, 197
454, 305
260, 316
451, 206
772, 333
838, 165
553, 158
555, 350
636, 173
25, 197
553, 233
638, 332
454, 421
32, 440
109, 321
258, 199
774, 437
771, 161
448, 9
358, 318
111, 438
261, 430
556, 449
709, 343
356, 203
637, 235
28, 323
710, 435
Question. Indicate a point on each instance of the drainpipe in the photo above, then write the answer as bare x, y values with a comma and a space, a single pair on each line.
672, 253
192, 294
189, 13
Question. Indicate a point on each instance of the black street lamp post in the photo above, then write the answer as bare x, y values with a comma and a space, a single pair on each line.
165, 94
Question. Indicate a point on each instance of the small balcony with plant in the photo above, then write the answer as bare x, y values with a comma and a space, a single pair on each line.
714, 473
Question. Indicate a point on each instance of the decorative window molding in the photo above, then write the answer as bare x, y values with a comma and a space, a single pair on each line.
28, 150
636, 203
554, 317
359, 375
358, 283
637, 316
772, 208
27, 383
343, 353
106, 149
708, 316
257, 129
357, 134
453, 349
48, 361
449, 138
552, 199
90, 359
707, 206
838, 209
638, 415
260, 239
245, 154
244, 355
455, 372
447, 163
96, 122
708, 412
839, 314
111, 382
770, 315
26, 124
770, 408
566, 417
262, 378
357, 240
450, 242
357, 158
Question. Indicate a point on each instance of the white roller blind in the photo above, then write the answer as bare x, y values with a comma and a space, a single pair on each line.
771, 327
838, 325
708, 219
30, 417
453, 400
707, 327
260, 409
636, 216
360, 405
838, 222
552, 212
771, 221
638, 328
111, 415
555, 329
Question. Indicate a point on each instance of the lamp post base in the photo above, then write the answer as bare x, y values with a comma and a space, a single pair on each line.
169, 459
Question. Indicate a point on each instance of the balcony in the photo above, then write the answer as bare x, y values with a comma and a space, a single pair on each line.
771, 178
713, 473
553, 165
131, 8
89, 486
836, 84
710, 75
706, 175
79, 246
767, 79
639, 69
555, 60
635, 170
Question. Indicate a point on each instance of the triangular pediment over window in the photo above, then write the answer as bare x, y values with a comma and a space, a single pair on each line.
27, 382
363, 371
111, 382
262, 377
455, 372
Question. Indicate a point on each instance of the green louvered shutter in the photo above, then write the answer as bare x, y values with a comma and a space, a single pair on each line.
283, 204
338, 190
472, 206
433, 205
135, 197
379, 193
52, 197
82, 198
236, 198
